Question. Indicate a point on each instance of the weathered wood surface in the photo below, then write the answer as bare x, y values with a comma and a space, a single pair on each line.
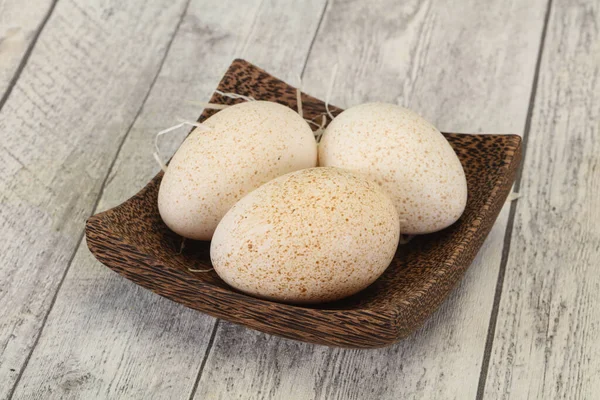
467, 67
410, 54
547, 337
19, 27
108, 338
61, 127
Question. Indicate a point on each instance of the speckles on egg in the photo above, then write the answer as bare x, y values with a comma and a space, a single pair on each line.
250, 144
404, 154
310, 236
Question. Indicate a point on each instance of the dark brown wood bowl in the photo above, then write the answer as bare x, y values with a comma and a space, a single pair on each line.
132, 240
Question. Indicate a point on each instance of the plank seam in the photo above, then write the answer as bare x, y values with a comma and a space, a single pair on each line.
209, 346
252, 27
100, 194
25, 58
511, 217
312, 42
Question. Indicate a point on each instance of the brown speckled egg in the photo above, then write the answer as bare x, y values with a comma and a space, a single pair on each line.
250, 144
407, 156
310, 236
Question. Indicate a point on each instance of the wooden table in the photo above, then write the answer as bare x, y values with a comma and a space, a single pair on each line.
86, 84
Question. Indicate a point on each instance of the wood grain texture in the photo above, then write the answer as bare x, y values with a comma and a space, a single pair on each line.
123, 341
61, 127
18, 28
466, 68
546, 342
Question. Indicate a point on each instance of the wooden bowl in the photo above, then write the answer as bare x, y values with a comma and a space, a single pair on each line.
132, 240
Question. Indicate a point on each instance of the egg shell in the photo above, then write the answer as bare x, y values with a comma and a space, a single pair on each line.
407, 156
249, 144
310, 236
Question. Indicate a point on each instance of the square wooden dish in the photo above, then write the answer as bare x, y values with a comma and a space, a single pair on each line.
132, 240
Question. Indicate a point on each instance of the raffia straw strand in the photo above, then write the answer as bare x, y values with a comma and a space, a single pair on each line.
321, 129
199, 270
183, 122
512, 197
235, 96
212, 106
160, 162
215, 106
312, 120
313, 123
330, 90
194, 123
404, 239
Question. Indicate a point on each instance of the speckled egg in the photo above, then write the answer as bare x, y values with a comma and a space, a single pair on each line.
310, 236
407, 156
248, 145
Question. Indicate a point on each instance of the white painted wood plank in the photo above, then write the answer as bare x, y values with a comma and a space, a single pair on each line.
467, 68
105, 337
19, 24
546, 342
61, 127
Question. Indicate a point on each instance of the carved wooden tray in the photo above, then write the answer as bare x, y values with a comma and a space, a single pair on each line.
132, 240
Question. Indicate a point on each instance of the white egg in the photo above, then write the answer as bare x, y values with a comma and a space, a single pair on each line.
310, 236
248, 145
407, 156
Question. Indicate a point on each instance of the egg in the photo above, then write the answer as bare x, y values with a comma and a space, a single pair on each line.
248, 144
310, 236
407, 156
